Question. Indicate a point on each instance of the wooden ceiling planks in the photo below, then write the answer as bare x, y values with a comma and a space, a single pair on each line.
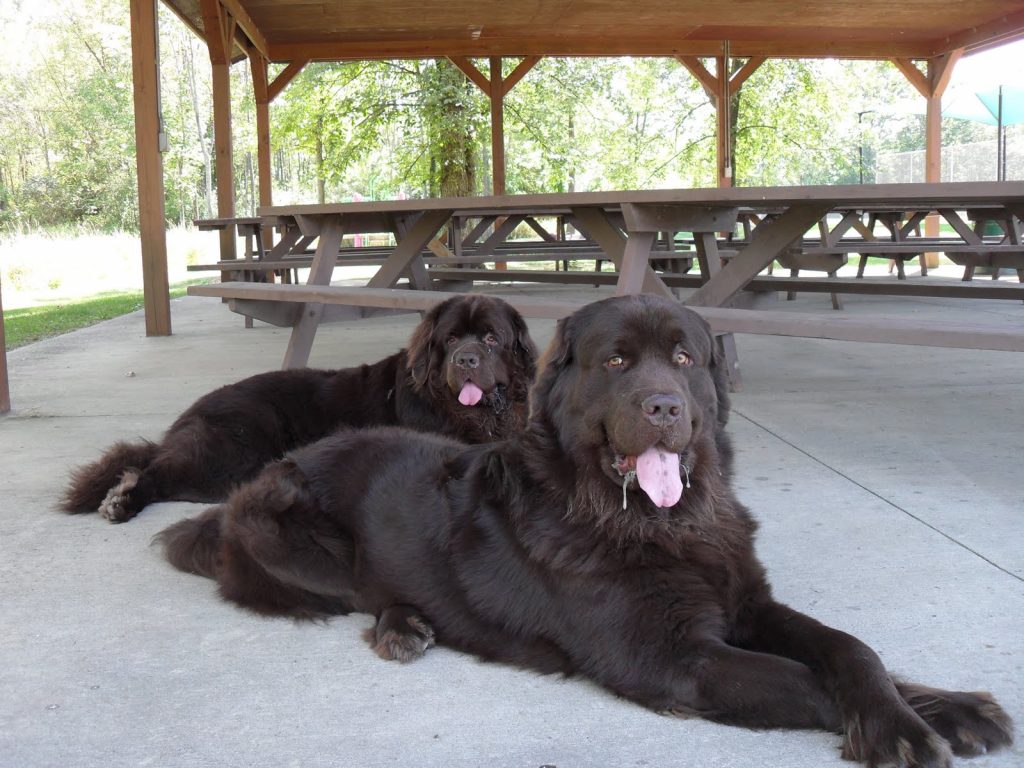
284, 30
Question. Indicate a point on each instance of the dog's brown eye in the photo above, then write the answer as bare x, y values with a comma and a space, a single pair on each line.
683, 359
614, 361
452, 340
491, 340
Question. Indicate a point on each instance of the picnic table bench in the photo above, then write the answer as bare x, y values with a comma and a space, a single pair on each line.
625, 225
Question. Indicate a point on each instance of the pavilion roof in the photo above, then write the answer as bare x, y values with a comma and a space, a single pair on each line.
287, 30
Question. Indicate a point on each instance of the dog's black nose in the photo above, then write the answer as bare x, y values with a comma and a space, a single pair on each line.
467, 359
662, 410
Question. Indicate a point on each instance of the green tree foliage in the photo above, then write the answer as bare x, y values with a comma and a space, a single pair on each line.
75, 161
388, 129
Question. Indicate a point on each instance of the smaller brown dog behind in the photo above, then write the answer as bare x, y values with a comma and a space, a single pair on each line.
465, 374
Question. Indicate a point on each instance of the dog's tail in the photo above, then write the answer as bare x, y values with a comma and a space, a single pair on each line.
193, 545
90, 483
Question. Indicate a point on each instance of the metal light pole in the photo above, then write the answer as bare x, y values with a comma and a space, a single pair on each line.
860, 143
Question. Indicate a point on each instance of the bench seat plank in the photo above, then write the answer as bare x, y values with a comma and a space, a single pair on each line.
890, 330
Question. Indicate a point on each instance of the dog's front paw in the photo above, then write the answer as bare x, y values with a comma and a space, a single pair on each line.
401, 634
973, 723
117, 507
891, 733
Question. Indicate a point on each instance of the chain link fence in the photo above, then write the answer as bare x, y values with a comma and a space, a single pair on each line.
960, 162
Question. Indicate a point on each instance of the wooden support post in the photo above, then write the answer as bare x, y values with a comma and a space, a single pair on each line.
5, 387
720, 88
931, 84
258, 65
940, 70
223, 150
497, 128
724, 143
150, 170
220, 33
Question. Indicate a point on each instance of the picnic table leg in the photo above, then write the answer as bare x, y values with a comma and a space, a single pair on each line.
408, 250
766, 243
710, 261
596, 226
301, 341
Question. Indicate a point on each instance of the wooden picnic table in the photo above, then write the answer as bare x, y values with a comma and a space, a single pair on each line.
625, 225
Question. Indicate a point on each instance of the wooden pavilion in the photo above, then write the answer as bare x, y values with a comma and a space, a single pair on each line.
923, 38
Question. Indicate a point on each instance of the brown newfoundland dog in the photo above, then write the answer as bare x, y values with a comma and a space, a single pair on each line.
465, 374
605, 540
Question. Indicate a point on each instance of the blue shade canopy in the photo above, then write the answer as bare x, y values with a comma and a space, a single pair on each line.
1013, 104
967, 106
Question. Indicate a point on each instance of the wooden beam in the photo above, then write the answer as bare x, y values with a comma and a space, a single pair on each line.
561, 45
917, 78
519, 72
258, 64
708, 81
284, 77
5, 387
750, 67
469, 70
992, 33
149, 167
247, 25
497, 128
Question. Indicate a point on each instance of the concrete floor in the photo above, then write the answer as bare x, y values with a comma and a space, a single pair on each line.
887, 479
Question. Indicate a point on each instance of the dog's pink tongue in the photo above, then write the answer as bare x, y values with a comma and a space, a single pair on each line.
470, 394
657, 471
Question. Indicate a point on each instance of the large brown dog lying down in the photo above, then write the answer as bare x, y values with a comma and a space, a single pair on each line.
465, 374
605, 541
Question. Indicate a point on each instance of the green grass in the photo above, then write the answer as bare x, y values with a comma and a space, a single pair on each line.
23, 326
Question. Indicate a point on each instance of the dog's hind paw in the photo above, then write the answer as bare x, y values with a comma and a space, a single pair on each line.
401, 634
117, 507
973, 723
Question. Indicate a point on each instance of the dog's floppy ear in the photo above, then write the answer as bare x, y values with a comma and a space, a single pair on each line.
421, 345
523, 347
720, 376
555, 359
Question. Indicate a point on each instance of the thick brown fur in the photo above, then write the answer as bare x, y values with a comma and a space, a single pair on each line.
228, 435
541, 552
